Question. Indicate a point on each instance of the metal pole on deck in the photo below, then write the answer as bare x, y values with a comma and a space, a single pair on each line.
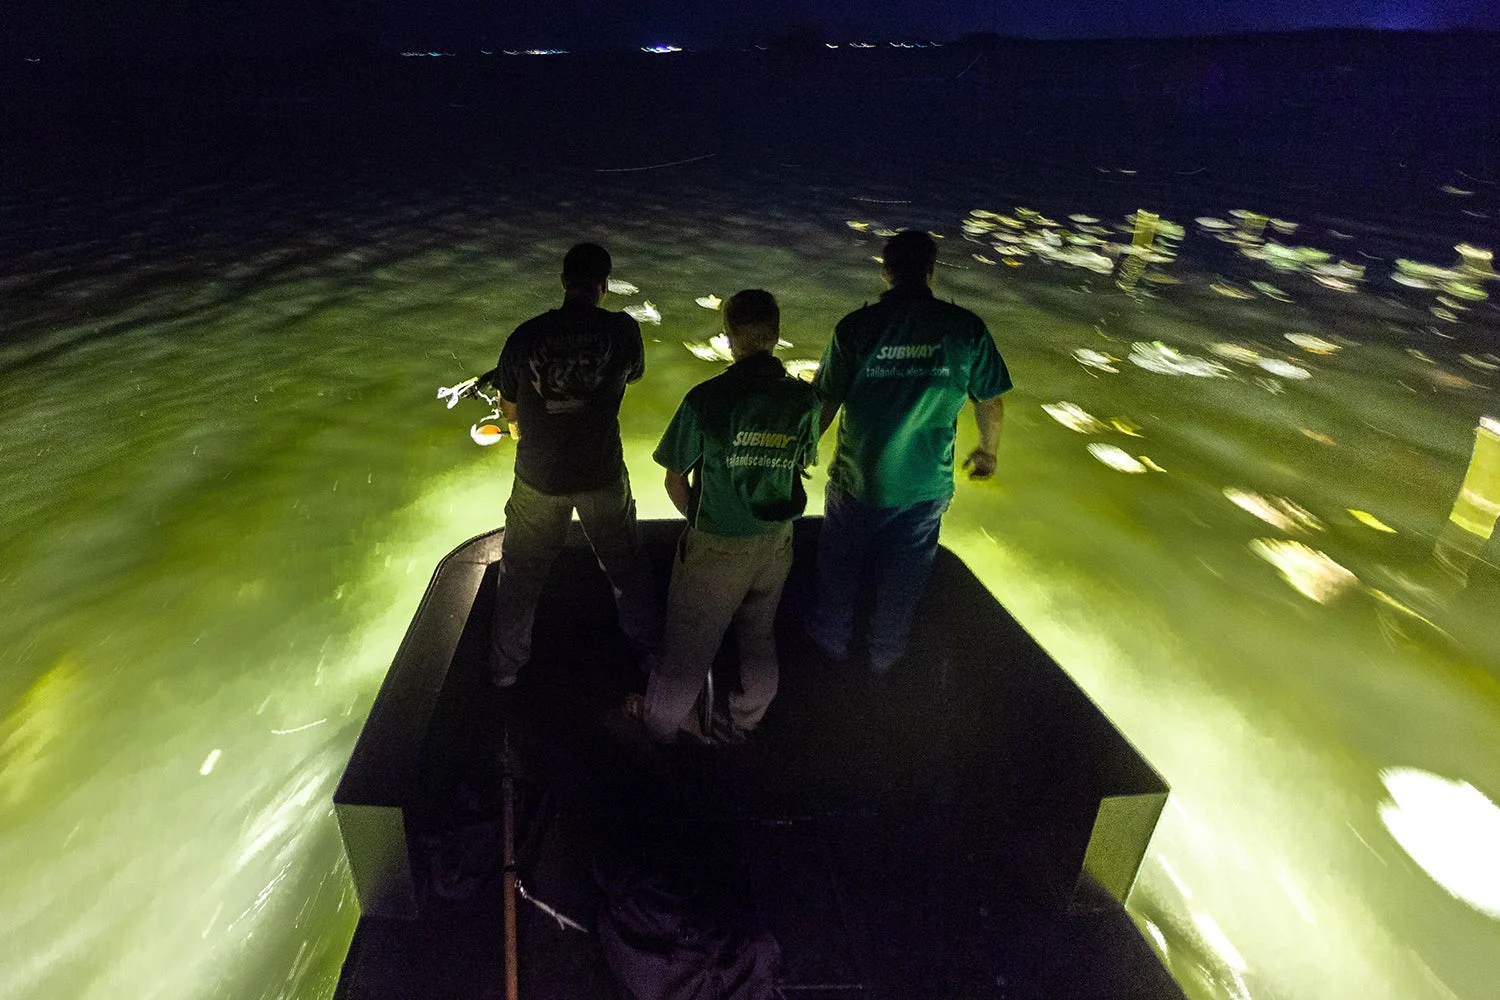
508, 823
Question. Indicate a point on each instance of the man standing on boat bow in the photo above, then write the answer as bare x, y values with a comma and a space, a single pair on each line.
562, 377
747, 435
900, 370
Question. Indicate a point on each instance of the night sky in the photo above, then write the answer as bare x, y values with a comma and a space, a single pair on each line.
55, 27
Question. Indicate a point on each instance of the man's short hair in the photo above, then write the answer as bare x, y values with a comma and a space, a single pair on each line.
753, 319
910, 255
586, 264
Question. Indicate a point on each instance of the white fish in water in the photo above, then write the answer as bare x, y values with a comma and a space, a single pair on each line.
1234, 352
1158, 357
1074, 417
1115, 457
646, 312
618, 287
1314, 574
803, 368
1279, 512
1311, 344
1093, 359
1228, 290
715, 349
1284, 368
709, 301
1270, 291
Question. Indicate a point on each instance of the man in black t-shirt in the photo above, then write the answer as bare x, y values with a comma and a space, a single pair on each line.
562, 376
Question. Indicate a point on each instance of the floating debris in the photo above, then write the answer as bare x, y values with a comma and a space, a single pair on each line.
1116, 458
618, 287
646, 312
1312, 573
1158, 357
709, 301
1094, 359
858, 227
207, 767
1084, 220
1074, 418
1488, 362
1278, 512
1151, 465
1270, 291
1371, 521
1311, 344
1127, 427
1456, 191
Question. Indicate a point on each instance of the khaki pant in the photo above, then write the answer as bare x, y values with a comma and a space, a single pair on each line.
716, 582
536, 526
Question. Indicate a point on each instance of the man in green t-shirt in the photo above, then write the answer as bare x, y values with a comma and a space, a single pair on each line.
746, 435
900, 370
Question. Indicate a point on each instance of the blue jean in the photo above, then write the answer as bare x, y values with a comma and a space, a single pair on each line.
882, 555
536, 526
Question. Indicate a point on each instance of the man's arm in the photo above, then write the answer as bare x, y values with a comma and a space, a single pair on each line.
678, 492
989, 414
508, 411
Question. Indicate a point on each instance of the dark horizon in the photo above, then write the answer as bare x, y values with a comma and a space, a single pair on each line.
168, 28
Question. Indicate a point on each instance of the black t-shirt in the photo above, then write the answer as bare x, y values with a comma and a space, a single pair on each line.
566, 371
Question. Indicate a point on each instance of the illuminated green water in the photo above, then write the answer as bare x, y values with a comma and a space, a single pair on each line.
226, 482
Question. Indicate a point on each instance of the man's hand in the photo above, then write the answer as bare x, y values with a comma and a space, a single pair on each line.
508, 410
980, 463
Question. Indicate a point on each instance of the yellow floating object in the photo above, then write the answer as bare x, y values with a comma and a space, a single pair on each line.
1371, 521
486, 434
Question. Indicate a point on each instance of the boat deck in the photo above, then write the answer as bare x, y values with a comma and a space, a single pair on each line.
960, 828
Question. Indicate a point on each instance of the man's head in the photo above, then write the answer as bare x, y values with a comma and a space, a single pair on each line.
752, 320
586, 270
910, 257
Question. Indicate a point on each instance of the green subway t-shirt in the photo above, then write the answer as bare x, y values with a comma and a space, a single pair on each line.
902, 369
749, 431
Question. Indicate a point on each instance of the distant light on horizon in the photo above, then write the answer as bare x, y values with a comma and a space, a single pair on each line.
660, 49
